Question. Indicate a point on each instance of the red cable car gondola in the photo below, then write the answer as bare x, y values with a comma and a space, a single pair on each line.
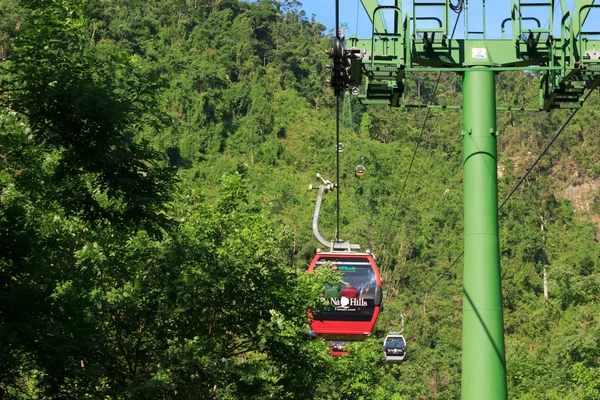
356, 302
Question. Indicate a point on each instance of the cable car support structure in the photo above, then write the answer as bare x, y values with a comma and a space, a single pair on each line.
567, 63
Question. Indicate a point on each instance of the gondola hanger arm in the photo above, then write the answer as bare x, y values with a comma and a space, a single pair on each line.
327, 185
335, 245
401, 330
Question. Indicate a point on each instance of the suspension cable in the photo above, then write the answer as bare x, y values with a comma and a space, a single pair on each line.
564, 125
357, 8
337, 166
338, 91
560, 130
444, 273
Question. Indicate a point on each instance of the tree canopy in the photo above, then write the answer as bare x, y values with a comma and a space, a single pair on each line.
155, 222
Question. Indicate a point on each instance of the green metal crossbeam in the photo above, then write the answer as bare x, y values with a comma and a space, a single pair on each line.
379, 64
375, 17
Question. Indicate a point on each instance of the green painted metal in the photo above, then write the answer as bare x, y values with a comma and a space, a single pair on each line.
462, 52
454, 107
580, 15
484, 21
493, 68
381, 62
566, 63
530, 10
375, 17
584, 48
483, 362
479, 19
563, 7
439, 33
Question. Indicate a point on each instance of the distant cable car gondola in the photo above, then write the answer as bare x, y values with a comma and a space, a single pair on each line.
394, 345
337, 347
360, 170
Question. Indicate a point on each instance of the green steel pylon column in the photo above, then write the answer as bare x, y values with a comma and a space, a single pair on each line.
483, 362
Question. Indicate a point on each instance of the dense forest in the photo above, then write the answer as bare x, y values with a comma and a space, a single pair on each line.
155, 217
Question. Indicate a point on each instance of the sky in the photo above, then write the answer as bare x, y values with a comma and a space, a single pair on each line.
353, 14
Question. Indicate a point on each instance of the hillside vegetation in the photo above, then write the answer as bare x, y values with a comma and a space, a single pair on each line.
155, 217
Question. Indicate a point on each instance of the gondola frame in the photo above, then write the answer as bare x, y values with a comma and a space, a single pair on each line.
400, 357
347, 330
360, 170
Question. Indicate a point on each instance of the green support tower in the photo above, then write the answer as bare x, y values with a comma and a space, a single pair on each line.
568, 63
483, 364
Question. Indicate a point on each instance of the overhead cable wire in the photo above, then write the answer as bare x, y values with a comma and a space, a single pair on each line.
444, 273
337, 165
564, 125
357, 8
548, 21
337, 66
458, 7
517, 185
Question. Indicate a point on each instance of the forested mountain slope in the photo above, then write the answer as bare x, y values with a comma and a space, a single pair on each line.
155, 218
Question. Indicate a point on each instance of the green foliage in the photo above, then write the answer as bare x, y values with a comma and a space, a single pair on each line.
86, 109
122, 279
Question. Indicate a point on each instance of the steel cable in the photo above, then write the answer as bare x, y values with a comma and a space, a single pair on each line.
514, 189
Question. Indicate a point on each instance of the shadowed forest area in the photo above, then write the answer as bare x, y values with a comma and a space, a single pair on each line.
155, 217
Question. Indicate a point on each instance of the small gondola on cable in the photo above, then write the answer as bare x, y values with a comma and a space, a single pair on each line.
353, 305
394, 345
360, 169
338, 347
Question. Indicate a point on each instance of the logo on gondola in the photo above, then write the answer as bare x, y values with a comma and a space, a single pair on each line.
345, 302
343, 268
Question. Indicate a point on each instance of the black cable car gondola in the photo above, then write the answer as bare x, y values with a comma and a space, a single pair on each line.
394, 347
